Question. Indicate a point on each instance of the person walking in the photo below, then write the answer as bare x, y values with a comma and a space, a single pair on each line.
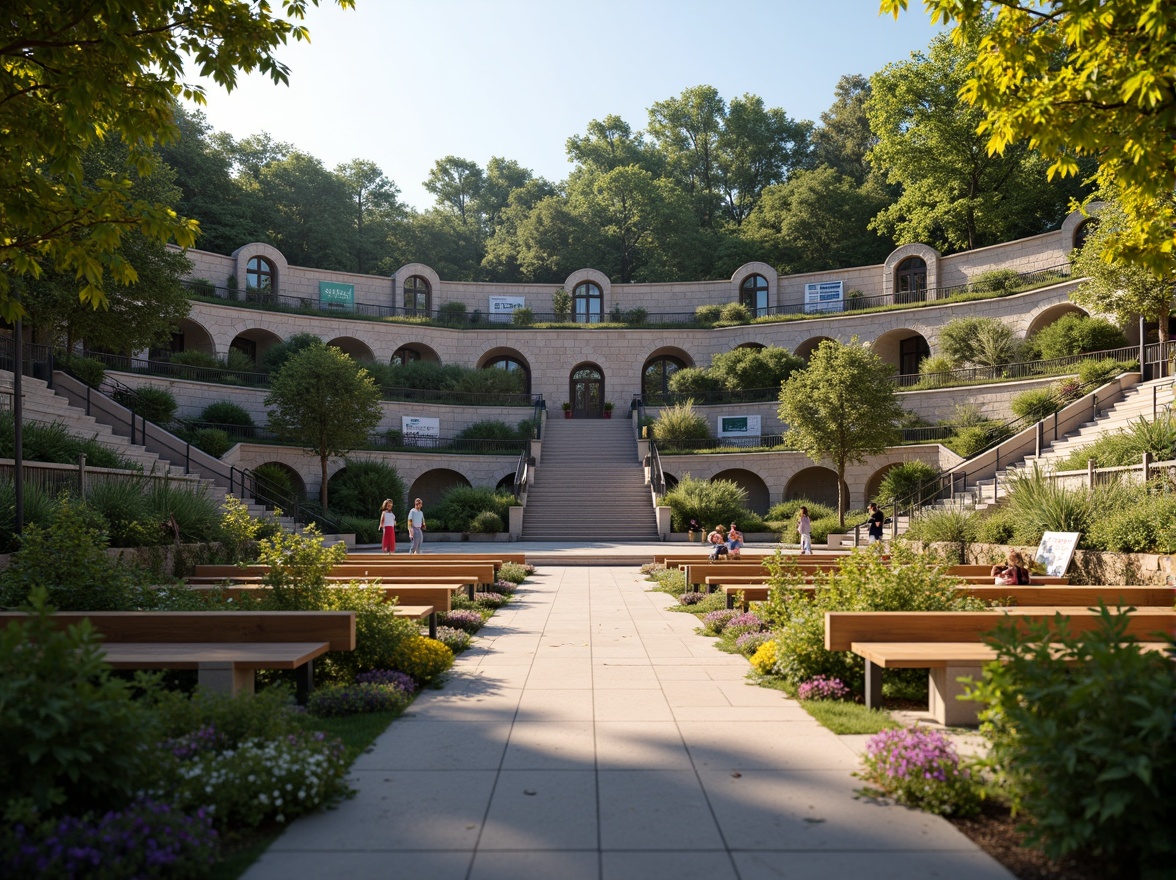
804, 527
387, 527
875, 520
416, 526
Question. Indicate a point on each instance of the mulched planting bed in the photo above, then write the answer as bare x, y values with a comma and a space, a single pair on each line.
994, 830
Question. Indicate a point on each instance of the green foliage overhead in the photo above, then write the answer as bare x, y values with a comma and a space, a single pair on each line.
842, 408
461, 505
58, 58
324, 401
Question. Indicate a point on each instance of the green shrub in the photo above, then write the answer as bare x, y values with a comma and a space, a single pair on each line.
215, 441
492, 381
225, 412
911, 581
824, 526
909, 482
975, 341
934, 525
1082, 736
561, 304
513, 572
735, 313
200, 360
679, 424
54, 443
995, 526
1035, 404
298, 566
489, 429
935, 371
709, 501
275, 356
1074, 334
975, 439
487, 522
461, 504
196, 513
695, 381
359, 489
707, 315
89, 370
39, 508
522, 317
380, 636
452, 314
122, 504
157, 405
1093, 373
636, 317
745, 369
1133, 519
997, 281
786, 511
1156, 437
274, 482
365, 529
72, 739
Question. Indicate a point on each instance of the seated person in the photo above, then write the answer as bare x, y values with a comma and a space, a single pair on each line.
718, 541
734, 541
1011, 571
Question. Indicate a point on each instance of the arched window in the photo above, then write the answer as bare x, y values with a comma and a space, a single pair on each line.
513, 366
587, 303
911, 352
753, 293
405, 355
1085, 228
259, 274
416, 296
655, 381
910, 280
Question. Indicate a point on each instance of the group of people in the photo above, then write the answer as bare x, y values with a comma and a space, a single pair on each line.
725, 543
416, 526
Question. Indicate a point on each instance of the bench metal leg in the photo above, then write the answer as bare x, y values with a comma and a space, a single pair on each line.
471, 590
730, 600
873, 685
433, 625
304, 681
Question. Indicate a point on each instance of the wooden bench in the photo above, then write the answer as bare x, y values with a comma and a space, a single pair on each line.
225, 647
698, 573
427, 600
1087, 596
470, 574
951, 644
497, 558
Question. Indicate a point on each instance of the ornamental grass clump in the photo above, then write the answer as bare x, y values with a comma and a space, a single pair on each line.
920, 768
821, 688
715, 622
462, 618
336, 700
146, 839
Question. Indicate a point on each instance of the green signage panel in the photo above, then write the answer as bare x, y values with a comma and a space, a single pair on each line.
334, 295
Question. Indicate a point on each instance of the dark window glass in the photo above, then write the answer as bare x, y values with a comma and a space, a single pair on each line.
587, 303
416, 296
910, 354
259, 273
910, 280
655, 383
753, 293
405, 355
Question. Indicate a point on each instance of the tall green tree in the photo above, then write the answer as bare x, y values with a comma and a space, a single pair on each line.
311, 214
756, 148
375, 209
955, 194
611, 143
686, 132
1119, 287
842, 408
72, 74
324, 401
456, 184
844, 139
1082, 79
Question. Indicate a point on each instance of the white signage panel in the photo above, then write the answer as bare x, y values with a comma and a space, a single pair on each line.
824, 296
502, 308
739, 426
420, 431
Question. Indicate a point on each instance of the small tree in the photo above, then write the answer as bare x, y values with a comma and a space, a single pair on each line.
842, 408
324, 401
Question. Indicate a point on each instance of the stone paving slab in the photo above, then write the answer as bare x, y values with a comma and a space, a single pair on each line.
593, 734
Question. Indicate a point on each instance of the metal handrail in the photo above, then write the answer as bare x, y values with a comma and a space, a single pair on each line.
268, 300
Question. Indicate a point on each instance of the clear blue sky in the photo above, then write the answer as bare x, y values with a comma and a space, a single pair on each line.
403, 83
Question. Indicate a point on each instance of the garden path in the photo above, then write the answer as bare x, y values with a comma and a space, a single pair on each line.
591, 733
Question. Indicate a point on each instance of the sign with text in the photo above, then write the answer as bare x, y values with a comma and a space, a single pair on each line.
335, 295
502, 308
739, 426
420, 431
824, 296
1055, 551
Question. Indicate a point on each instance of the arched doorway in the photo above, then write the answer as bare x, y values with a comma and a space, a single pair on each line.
586, 392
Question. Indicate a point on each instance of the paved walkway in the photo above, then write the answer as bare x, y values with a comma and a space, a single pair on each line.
591, 733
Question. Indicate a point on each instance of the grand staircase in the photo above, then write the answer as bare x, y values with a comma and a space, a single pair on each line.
1146, 400
589, 485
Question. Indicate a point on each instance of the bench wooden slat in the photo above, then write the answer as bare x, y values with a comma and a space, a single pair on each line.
191, 655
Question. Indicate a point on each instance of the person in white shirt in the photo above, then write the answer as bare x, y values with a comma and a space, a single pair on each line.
416, 526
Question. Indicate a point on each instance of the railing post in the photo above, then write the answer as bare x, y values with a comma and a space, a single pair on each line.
1146, 464
1041, 437
82, 474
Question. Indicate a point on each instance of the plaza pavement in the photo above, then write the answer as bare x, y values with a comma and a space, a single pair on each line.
591, 733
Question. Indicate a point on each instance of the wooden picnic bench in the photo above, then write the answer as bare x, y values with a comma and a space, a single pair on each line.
472, 575
1087, 596
497, 558
951, 644
225, 647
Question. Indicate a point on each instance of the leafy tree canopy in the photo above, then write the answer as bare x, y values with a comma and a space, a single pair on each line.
1079, 78
74, 73
842, 408
324, 401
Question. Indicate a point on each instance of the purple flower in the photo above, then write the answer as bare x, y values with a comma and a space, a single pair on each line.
716, 621
388, 677
821, 688
691, 598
